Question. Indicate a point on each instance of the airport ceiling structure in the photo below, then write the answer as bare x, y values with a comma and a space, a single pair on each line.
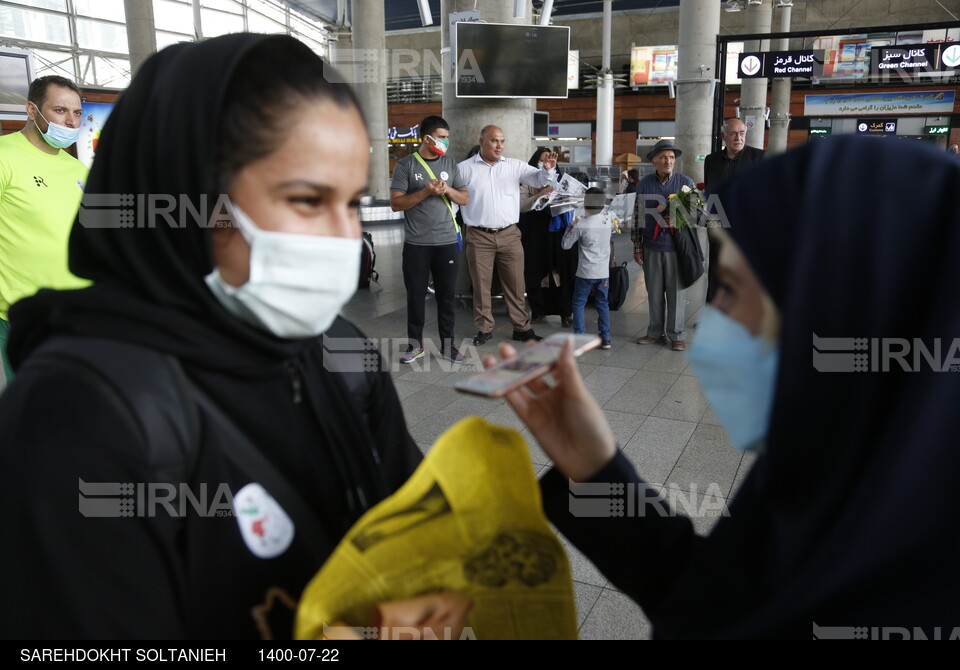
403, 14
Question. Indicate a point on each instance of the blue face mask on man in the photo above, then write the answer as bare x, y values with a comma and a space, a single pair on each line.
737, 371
58, 136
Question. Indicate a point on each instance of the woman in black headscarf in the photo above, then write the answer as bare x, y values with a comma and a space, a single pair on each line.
533, 230
832, 348
290, 437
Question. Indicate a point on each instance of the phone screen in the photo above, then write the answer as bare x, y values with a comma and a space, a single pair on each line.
529, 363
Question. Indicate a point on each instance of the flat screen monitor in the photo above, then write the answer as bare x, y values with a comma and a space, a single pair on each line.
541, 124
16, 73
508, 60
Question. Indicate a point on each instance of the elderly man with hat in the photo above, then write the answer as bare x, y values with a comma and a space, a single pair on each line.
653, 247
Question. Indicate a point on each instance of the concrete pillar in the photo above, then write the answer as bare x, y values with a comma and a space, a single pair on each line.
753, 92
197, 21
368, 33
141, 32
697, 46
604, 142
780, 94
467, 116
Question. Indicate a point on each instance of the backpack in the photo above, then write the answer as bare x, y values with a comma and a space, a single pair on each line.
619, 283
368, 259
153, 392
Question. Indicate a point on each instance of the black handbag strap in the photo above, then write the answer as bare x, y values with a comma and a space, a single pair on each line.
249, 459
154, 392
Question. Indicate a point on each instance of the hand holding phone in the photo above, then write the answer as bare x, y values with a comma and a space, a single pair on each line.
529, 363
563, 416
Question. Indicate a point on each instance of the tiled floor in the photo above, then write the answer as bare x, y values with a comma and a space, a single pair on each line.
652, 400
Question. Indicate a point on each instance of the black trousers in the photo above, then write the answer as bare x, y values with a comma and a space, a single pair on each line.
419, 262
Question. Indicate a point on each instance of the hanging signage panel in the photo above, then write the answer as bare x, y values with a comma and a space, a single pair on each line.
949, 56
899, 102
399, 135
877, 126
573, 69
909, 60
807, 63
653, 66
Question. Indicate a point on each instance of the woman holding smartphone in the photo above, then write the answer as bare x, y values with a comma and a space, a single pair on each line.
845, 525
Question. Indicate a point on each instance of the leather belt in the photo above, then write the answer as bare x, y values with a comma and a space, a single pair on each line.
493, 230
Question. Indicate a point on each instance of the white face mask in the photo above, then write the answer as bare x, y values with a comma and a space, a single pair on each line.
298, 283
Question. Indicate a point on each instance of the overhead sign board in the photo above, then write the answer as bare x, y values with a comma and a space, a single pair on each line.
807, 63
914, 59
894, 102
877, 126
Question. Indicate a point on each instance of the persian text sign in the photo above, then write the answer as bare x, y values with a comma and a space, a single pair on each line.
781, 64
858, 104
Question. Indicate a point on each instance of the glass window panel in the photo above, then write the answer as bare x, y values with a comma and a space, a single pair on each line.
53, 62
218, 23
268, 9
113, 72
101, 36
257, 23
231, 6
100, 9
34, 26
165, 39
173, 16
60, 5
307, 29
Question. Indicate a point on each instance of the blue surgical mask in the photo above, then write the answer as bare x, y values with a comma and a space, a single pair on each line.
58, 136
737, 371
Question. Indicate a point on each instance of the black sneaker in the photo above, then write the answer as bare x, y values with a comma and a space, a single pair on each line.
605, 344
481, 338
526, 336
452, 354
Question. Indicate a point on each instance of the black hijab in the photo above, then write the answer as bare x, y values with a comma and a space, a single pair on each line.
149, 288
161, 139
848, 517
535, 158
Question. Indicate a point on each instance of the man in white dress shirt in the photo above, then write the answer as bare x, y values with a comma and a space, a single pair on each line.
492, 234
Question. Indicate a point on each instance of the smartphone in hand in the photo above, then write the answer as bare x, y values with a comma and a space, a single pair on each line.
529, 363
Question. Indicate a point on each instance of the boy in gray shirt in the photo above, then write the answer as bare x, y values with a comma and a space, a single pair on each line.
593, 271
425, 186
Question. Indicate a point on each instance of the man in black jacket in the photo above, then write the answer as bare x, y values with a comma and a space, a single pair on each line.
735, 155
720, 165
